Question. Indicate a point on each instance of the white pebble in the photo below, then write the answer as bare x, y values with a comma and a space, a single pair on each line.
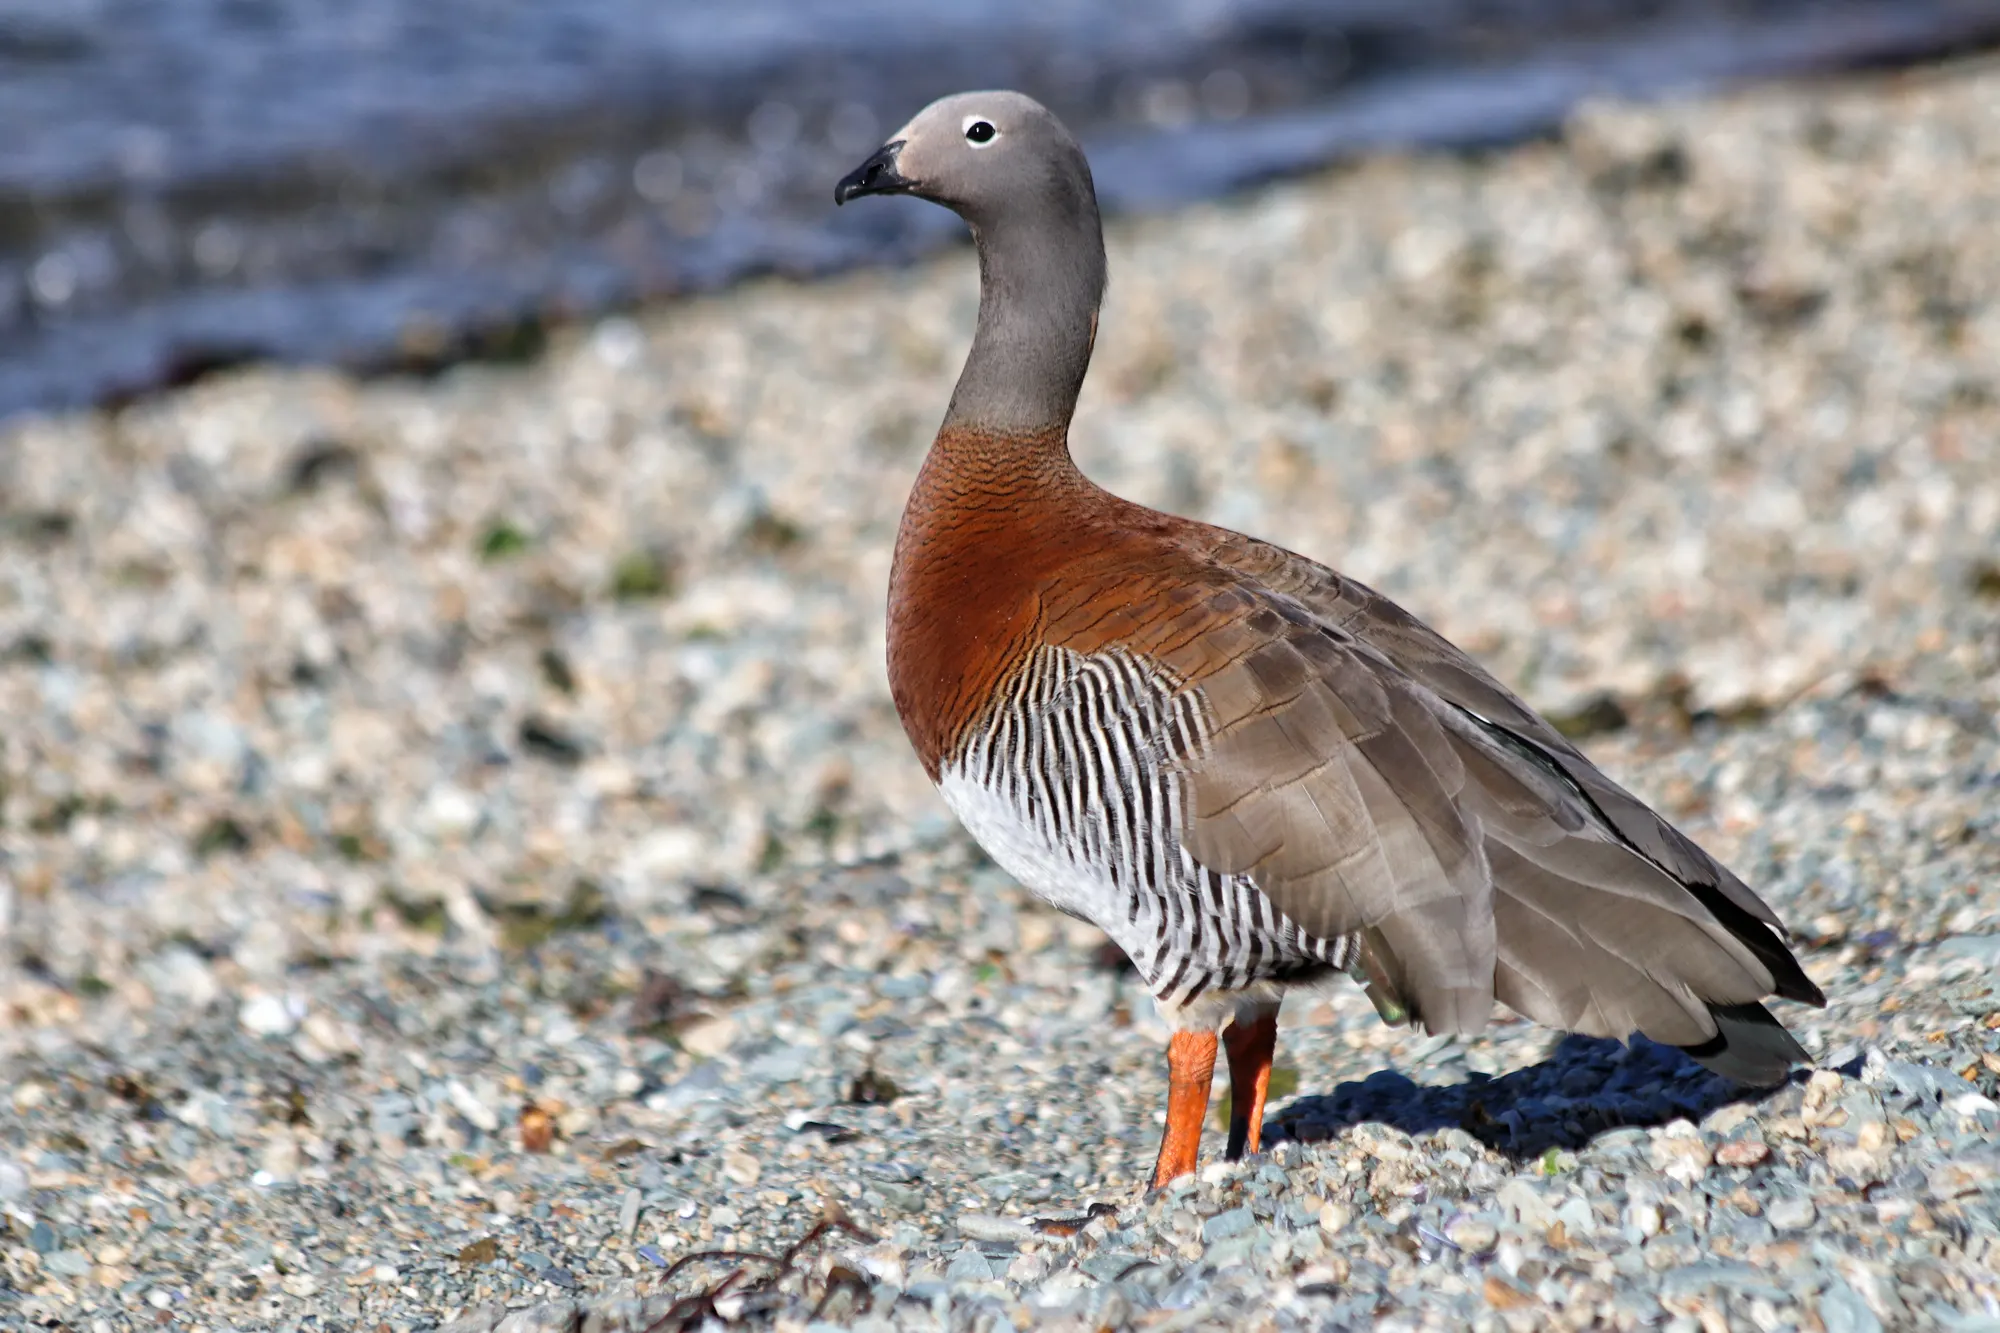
269, 1015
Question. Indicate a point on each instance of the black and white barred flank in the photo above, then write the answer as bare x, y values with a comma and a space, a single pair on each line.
1070, 785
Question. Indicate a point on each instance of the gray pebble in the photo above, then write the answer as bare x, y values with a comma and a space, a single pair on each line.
969, 1265
1791, 1213
553, 1317
1981, 949
69, 1263
480, 1319
1473, 1235
1224, 1225
1842, 1310
991, 1227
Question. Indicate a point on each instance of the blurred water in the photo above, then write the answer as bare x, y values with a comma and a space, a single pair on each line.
186, 183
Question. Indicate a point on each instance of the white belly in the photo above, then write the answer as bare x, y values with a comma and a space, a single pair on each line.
1052, 873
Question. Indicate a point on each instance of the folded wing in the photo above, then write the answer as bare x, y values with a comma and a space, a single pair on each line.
1372, 780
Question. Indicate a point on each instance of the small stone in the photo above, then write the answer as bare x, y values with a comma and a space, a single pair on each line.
710, 1038
1028, 1269
555, 1317
1334, 1217
476, 1112
969, 1266
1577, 1217
277, 1163
68, 1263
628, 1214
1742, 1152
268, 1015
323, 1037
1841, 1310
1504, 1295
741, 1167
1794, 1212
1224, 1225
785, 1064
1915, 1082
1007, 1184
1525, 1204
1953, 1180
450, 812
991, 1227
1824, 1085
1724, 1120
1473, 1235
1682, 1157
1981, 949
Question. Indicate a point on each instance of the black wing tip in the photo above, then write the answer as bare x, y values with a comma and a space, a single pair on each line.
1805, 992
1769, 943
1763, 934
1749, 1046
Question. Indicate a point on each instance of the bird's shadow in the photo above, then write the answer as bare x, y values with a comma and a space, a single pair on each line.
1586, 1087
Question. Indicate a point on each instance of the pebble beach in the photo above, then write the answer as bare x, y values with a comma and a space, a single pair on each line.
460, 866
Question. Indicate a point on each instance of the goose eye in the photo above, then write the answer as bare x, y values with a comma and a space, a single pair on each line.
980, 131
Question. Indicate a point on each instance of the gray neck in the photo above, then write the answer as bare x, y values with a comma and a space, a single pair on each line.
1041, 278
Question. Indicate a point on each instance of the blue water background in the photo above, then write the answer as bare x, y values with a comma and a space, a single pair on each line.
191, 183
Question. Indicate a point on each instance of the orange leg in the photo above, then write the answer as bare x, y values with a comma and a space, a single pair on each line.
1190, 1067
1250, 1046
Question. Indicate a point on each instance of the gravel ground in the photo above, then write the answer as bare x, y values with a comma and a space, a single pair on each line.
458, 859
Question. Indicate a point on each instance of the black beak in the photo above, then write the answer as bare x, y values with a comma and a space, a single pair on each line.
875, 176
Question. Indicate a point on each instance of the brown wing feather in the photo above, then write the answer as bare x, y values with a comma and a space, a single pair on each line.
1371, 779
1418, 650
1326, 783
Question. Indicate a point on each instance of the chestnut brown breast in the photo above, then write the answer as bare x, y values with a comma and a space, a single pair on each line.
1005, 543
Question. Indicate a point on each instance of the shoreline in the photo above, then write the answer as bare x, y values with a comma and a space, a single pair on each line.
635, 157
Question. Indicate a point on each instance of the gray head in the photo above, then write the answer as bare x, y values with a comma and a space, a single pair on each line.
982, 155
1005, 164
